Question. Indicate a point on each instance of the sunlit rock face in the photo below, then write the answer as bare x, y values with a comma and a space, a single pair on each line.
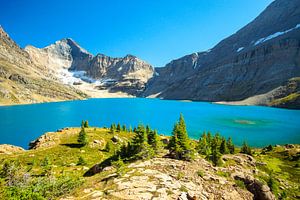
257, 59
74, 65
24, 81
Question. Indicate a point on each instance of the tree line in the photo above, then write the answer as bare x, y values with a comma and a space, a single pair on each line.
146, 144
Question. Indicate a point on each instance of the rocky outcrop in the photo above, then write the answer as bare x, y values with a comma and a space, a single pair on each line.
162, 178
44, 141
257, 188
257, 59
10, 149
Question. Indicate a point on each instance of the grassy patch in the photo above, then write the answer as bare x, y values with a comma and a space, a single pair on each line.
200, 173
240, 184
223, 174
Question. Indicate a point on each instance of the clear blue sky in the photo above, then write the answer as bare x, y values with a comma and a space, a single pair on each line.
154, 30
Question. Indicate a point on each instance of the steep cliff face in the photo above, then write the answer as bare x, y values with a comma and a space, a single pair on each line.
74, 65
22, 81
258, 58
65, 53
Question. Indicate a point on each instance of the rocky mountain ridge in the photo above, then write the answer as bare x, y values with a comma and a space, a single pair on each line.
259, 58
128, 74
21, 81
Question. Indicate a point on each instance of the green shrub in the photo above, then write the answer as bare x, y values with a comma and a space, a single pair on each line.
180, 175
273, 184
81, 161
224, 174
109, 146
240, 184
200, 173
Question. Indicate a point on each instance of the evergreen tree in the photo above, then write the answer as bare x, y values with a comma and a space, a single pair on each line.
124, 128
230, 145
153, 140
209, 138
112, 128
246, 149
174, 145
86, 124
118, 127
215, 154
223, 147
179, 144
148, 130
130, 129
140, 136
82, 137
82, 124
140, 146
203, 146
182, 134
218, 139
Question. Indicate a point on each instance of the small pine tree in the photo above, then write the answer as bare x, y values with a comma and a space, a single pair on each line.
82, 137
118, 127
246, 149
148, 129
182, 134
230, 145
153, 140
111, 128
82, 124
215, 155
203, 146
86, 124
223, 147
218, 139
209, 138
130, 129
124, 128
179, 144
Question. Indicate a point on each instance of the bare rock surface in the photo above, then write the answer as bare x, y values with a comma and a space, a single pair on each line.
259, 58
10, 149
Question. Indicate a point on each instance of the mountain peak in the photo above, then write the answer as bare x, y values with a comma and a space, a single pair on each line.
71, 44
130, 56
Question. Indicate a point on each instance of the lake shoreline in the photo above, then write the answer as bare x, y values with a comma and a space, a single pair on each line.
53, 134
227, 103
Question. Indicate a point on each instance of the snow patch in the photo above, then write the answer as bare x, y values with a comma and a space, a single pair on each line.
156, 74
120, 68
240, 49
71, 77
274, 35
195, 64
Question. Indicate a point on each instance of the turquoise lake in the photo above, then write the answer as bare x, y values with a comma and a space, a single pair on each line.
259, 126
